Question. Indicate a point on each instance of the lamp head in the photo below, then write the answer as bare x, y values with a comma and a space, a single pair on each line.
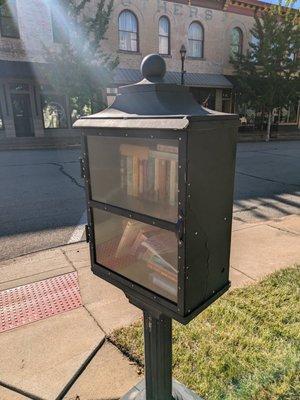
182, 51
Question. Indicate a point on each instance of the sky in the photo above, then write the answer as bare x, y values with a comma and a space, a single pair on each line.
296, 5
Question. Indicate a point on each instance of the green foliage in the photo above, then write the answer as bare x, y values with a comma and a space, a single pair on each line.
81, 70
246, 346
268, 75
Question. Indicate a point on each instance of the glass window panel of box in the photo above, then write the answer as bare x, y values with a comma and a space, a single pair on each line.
136, 174
144, 254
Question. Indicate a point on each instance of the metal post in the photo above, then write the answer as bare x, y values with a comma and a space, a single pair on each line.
158, 357
182, 71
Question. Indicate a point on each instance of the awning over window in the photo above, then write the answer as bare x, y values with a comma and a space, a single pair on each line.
16, 69
124, 76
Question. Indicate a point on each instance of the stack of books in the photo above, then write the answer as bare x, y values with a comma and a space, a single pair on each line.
152, 249
151, 174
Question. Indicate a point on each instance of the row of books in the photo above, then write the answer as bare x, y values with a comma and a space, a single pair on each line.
150, 174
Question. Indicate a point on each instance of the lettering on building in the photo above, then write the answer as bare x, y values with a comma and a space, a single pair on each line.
177, 9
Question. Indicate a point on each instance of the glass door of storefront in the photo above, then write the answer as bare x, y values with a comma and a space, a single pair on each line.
22, 114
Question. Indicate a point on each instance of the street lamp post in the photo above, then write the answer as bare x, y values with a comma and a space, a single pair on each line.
182, 52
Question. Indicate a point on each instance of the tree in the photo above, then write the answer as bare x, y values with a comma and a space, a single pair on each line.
80, 69
268, 75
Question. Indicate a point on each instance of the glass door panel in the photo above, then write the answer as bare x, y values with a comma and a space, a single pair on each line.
22, 114
143, 253
137, 174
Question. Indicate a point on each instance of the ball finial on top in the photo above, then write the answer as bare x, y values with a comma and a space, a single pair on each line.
153, 67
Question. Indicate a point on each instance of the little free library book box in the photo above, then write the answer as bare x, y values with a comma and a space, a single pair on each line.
159, 176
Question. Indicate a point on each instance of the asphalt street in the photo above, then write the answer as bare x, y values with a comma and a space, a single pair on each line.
42, 201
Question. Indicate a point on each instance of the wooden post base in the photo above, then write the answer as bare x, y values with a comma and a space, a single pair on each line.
179, 392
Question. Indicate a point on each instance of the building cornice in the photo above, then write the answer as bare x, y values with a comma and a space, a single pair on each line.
243, 7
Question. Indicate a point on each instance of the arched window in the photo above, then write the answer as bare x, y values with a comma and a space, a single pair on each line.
9, 19
255, 40
128, 31
164, 35
195, 40
254, 45
236, 42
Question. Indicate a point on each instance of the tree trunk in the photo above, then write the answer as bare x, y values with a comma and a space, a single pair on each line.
262, 120
269, 126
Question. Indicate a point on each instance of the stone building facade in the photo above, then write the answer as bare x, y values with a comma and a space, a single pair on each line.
209, 29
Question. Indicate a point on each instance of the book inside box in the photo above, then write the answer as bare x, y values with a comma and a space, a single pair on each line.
143, 253
135, 174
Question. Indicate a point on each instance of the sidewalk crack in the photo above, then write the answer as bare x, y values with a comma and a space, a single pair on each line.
283, 230
83, 305
20, 391
79, 372
268, 179
96, 322
250, 208
248, 276
68, 260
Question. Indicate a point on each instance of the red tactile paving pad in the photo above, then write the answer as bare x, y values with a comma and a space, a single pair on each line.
39, 300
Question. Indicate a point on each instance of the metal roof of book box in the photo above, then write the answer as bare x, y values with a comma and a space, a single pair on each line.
152, 104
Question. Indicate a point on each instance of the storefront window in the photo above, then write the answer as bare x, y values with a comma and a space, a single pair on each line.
54, 111
19, 87
226, 100
205, 96
77, 110
288, 114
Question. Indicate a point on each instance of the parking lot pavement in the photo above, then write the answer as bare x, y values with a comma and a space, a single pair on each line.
43, 203
267, 184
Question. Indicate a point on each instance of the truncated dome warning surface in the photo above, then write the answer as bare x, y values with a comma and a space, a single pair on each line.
25, 304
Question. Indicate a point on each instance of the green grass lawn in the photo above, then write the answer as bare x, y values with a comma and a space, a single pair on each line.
245, 346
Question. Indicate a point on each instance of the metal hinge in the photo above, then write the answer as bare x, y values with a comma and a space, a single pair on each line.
87, 234
82, 167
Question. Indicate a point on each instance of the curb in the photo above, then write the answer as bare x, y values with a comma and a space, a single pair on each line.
40, 251
39, 143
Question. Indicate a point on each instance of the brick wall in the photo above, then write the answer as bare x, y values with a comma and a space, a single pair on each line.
217, 30
36, 31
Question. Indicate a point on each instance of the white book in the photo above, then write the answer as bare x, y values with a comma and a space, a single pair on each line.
173, 182
170, 288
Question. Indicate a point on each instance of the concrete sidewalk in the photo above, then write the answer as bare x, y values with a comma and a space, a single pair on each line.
67, 355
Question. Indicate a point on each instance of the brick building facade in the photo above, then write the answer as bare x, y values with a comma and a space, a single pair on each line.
206, 71
210, 30
28, 107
